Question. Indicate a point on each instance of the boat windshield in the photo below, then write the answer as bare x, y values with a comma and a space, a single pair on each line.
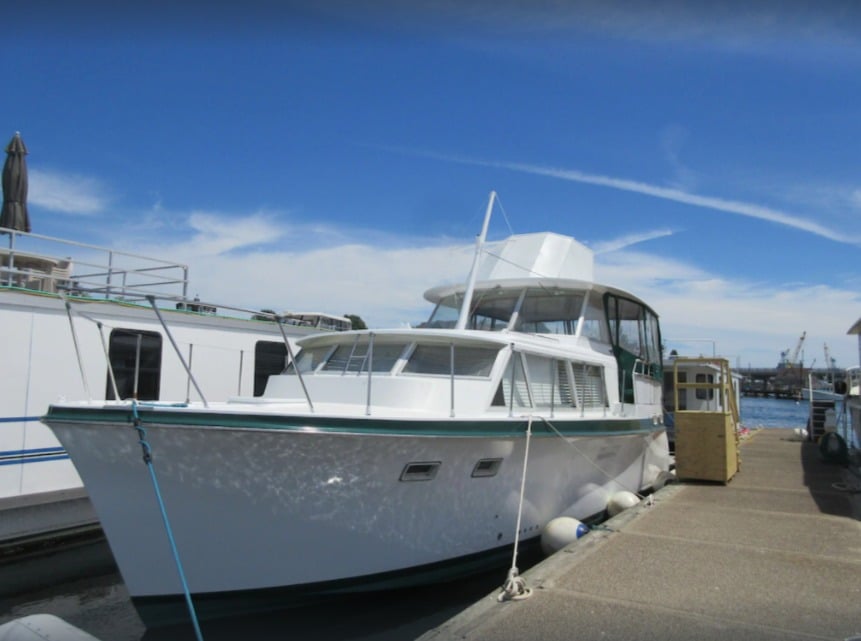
459, 360
491, 310
541, 310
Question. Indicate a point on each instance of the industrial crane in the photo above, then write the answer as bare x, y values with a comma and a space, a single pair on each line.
797, 352
830, 363
792, 361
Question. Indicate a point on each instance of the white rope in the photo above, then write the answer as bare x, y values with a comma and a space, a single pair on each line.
514, 587
590, 461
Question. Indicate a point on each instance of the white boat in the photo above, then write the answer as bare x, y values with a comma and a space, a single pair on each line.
820, 391
388, 458
40, 490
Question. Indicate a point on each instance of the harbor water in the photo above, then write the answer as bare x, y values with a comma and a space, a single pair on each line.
93, 598
773, 412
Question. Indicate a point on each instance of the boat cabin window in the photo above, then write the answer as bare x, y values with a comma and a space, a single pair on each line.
309, 359
491, 310
550, 311
545, 382
135, 357
355, 357
442, 359
594, 321
636, 338
541, 311
634, 328
270, 357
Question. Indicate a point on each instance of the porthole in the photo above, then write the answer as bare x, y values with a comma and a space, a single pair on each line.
486, 467
420, 471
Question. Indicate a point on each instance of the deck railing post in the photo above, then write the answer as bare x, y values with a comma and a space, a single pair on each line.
451, 378
370, 360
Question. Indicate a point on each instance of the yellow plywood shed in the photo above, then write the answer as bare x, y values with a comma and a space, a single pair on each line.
706, 446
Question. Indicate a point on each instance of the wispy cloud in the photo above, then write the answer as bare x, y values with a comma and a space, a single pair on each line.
66, 193
763, 28
751, 210
629, 240
215, 235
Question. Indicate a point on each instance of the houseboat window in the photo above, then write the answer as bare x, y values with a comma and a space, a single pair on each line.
551, 383
594, 322
491, 310
635, 336
123, 356
513, 383
270, 357
309, 359
445, 314
630, 327
354, 357
634, 328
589, 383
436, 359
550, 312
703, 394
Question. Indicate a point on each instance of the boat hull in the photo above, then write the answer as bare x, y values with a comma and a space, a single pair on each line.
322, 506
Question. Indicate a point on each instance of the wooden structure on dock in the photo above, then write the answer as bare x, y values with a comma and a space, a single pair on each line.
706, 439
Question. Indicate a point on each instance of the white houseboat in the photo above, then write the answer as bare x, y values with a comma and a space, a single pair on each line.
387, 458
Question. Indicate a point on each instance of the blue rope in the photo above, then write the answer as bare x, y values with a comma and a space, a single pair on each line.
147, 457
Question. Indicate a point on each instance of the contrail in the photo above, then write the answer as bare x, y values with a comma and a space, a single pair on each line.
668, 193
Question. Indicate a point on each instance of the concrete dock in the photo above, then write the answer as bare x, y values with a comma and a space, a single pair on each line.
774, 554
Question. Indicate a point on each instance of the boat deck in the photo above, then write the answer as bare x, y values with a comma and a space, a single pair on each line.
775, 554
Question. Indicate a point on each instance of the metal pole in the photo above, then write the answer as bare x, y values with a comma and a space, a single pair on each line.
370, 361
151, 300
293, 360
137, 366
473, 274
451, 377
108, 360
77, 349
239, 382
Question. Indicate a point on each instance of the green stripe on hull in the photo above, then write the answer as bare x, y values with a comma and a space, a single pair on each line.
358, 425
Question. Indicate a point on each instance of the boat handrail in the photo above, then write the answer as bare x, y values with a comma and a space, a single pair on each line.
49, 264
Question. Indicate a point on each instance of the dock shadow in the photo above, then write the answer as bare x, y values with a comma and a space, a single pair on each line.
820, 477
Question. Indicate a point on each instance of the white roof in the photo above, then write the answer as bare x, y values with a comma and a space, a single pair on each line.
540, 255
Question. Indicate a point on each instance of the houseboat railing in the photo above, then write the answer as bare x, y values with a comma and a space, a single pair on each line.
45, 263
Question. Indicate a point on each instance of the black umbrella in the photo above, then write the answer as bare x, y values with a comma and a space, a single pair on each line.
15, 214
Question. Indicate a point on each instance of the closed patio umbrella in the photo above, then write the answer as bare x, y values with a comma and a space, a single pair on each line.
14, 215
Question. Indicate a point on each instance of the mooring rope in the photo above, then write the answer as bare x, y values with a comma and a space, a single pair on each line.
514, 587
590, 461
147, 458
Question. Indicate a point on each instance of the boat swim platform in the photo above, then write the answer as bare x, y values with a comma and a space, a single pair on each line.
774, 554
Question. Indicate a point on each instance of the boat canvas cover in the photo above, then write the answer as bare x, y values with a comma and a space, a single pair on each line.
541, 255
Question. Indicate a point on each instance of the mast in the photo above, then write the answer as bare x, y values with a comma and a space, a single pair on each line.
473, 274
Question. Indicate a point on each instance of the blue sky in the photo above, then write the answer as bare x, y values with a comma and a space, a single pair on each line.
303, 155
